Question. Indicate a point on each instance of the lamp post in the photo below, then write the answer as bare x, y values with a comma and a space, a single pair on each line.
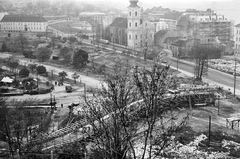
234, 84
177, 60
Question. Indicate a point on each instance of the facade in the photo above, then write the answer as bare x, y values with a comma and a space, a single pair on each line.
20, 23
118, 31
140, 31
237, 39
171, 23
105, 19
206, 24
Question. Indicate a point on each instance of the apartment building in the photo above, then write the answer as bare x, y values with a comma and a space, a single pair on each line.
23, 23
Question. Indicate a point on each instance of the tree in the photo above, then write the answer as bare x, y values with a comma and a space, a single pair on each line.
80, 59
13, 64
41, 69
66, 54
75, 150
39, 35
24, 72
33, 67
16, 125
72, 39
75, 76
4, 47
28, 54
201, 54
64, 39
113, 135
131, 104
22, 41
62, 75
152, 86
43, 54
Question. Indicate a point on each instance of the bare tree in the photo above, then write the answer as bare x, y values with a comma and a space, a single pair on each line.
112, 126
130, 107
152, 86
17, 121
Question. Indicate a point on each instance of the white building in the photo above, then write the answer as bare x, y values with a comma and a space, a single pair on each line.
162, 26
237, 39
19, 23
104, 19
140, 31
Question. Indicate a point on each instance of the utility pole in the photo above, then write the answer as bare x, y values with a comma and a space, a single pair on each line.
209, 131
177, 60
234, 91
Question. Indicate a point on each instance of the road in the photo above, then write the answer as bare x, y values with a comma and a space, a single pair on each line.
220, 78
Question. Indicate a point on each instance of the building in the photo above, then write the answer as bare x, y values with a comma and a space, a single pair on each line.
206, 24
237, 39
140, 30
20, 23
118, 31
99, 21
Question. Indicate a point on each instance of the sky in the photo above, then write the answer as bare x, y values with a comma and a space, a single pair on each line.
229, 8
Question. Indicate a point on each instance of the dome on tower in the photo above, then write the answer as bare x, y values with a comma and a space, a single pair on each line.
133, 3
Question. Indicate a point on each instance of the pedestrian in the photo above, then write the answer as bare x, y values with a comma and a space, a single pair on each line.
55, 83
61, 105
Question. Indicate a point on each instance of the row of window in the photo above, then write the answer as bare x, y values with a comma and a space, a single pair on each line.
136, 36
237, 46
20, 28
16, 23
136, 24
237, 38
130, 14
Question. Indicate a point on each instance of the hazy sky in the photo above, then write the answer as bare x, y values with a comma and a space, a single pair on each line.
229, 8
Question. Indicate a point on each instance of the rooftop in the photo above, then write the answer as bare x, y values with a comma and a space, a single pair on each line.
119, 23
23, 18
238, 25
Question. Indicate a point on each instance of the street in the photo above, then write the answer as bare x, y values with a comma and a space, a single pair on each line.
220, 78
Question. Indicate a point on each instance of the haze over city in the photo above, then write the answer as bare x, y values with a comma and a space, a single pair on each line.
229, 8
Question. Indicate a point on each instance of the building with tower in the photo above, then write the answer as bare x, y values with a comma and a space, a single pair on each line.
140, 31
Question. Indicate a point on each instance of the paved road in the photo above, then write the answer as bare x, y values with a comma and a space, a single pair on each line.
217, 77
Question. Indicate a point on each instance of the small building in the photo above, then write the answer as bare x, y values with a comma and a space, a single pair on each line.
23, 23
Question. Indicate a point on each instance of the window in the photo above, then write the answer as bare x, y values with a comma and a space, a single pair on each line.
129, 37
129, 24
136, 37
135, 13
135, 24
236, 38
130, 14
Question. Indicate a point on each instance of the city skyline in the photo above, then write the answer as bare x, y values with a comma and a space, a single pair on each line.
229, 8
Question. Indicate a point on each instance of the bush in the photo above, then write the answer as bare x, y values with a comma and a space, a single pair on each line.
24, 72
28, 54
41, 70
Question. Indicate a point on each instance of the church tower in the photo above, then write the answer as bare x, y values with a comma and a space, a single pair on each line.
134, 24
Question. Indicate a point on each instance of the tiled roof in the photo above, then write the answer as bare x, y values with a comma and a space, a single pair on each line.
23, 18
119, 23
161, 33
169, 40
180, 42
183, 21
238, 25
